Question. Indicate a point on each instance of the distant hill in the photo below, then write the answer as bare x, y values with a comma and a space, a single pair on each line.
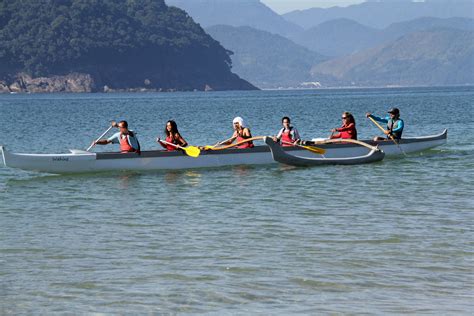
435, 57
342, 36
267, 60
114, 45
338, 37
236, 13
426, 23
382, 13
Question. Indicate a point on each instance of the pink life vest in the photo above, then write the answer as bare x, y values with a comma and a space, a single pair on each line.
286, 138
169, 139
244, 145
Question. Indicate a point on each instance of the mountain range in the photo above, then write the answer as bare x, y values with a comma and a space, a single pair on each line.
397, 55
382, 13
343, 36
265, 59
358, 45
434, 57
251, 13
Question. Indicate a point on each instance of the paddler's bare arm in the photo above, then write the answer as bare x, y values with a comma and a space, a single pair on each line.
246, 132
230, 140
103, 142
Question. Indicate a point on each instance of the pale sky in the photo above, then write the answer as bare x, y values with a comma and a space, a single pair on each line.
284, 6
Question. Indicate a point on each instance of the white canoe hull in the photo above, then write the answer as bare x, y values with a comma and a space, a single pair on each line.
82, 162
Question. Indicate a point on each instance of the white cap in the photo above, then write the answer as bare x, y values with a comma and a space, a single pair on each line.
239, 120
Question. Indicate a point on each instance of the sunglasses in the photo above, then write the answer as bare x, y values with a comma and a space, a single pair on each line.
344, 117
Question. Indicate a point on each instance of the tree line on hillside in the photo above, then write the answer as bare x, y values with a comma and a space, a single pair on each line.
119, 42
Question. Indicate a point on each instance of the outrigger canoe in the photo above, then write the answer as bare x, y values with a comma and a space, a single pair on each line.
292, 159
82, 161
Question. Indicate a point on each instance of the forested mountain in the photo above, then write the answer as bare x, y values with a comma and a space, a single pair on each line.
267, 60
382, 13
434, 57
342, 36
117, 43
251, 13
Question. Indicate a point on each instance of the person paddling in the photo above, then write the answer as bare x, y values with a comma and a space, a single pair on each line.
241, 133
126, 138
288, 134
347, 130
172, 136
394, 124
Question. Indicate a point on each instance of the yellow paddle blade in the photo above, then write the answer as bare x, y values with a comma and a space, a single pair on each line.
192, 151
315, 150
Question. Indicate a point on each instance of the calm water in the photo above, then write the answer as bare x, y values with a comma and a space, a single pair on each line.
391, 237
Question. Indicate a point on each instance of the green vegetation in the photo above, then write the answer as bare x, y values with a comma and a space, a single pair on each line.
120, 42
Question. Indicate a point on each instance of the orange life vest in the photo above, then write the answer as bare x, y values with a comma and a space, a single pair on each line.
125, 146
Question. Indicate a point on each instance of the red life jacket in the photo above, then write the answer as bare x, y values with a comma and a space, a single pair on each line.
246, 144
169, 139
125, 146
350, 133
286, 138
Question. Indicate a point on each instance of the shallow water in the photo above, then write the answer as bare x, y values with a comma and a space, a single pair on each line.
390, 237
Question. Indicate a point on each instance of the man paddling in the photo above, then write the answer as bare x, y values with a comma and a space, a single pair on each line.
394, 124
127, 139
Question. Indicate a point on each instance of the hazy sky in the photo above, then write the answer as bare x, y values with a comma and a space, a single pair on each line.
283, 6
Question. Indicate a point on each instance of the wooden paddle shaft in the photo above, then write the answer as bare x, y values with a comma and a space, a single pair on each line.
239, 143
346, 140
224, 141
390, 135
382, 129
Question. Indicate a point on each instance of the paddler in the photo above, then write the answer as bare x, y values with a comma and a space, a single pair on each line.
394, 124
241, 133
347, 130
288, 134
172, 137
126, 138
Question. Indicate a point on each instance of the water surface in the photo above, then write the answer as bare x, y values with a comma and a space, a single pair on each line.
391, 237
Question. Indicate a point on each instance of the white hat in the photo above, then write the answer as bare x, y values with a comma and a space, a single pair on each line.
239, 120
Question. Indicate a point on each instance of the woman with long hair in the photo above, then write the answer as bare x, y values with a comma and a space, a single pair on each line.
347, 130
172, 136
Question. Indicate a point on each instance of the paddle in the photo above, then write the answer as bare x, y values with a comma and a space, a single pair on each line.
315, 150
238, 143
389, 135
100, 137
209, 147
191, 151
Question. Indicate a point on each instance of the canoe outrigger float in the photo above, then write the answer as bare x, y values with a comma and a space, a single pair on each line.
79, 161
292, 159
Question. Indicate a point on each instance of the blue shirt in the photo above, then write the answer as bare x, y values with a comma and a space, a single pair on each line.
398, 128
